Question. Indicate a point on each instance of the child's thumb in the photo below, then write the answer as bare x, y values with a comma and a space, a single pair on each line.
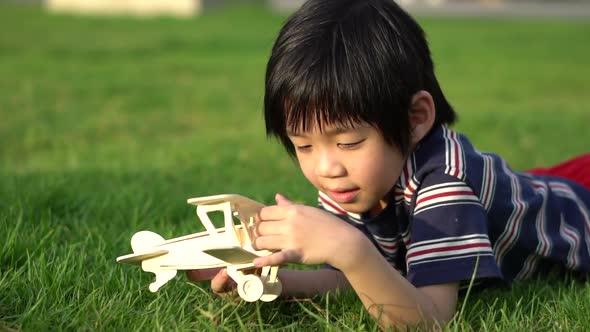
282, 200
222, 283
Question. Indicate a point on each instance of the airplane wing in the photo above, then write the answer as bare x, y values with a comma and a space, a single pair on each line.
239, 202
232, 255
137, 257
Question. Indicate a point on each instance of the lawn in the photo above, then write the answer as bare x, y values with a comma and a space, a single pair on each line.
108, 125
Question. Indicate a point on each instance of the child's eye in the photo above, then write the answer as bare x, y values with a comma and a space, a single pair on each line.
303, 148
350, 146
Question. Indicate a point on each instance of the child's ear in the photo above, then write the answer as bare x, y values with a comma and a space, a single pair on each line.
422, 115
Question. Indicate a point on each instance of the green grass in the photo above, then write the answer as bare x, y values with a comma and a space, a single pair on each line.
108, 125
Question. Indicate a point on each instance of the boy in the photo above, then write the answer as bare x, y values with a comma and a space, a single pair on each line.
351, 93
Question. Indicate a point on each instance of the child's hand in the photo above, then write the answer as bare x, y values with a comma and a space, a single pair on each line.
221, 283
202, 274
304, 235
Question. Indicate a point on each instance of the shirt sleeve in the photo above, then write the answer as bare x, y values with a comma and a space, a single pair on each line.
449, 234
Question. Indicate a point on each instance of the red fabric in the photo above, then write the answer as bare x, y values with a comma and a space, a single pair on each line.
576, 169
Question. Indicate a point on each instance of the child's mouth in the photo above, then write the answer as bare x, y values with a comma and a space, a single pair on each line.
343, 196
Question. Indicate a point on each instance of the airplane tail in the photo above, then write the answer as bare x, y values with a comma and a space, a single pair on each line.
145, 239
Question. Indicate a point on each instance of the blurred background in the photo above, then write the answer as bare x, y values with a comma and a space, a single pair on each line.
113, 113
572, 8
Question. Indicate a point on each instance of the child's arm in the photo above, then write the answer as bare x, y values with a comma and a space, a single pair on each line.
311, 236
392, 299
311, 282
295, 283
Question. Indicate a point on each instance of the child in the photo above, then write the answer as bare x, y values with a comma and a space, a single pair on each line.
409, 209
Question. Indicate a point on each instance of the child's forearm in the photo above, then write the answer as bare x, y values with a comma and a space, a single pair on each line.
391, 299
311, 282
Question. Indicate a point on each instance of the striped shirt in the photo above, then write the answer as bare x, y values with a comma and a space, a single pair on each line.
456, 212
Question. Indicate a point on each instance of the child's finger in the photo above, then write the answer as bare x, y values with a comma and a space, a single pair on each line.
282, 200
271, 213
266, 228
202, 274
222, 283
269, 242
278, 258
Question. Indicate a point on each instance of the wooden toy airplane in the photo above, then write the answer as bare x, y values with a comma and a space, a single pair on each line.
230, 247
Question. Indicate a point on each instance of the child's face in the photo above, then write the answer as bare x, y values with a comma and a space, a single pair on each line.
355, 167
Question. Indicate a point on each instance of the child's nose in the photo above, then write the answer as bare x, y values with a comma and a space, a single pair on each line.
328, 166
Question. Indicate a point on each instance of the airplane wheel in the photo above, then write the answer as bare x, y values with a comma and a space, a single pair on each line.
271, 291
250, 288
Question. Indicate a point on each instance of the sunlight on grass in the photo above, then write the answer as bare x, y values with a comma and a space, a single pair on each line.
108, 125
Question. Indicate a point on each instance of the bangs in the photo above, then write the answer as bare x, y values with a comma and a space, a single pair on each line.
307, 114
330, 84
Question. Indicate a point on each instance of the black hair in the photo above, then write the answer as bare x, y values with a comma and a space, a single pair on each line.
345, 62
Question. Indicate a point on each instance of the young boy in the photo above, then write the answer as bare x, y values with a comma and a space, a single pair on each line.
351, 93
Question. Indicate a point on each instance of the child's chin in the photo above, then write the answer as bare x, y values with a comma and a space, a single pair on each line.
354, 207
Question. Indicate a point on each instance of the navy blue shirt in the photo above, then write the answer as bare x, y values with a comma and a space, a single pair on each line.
457, 212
